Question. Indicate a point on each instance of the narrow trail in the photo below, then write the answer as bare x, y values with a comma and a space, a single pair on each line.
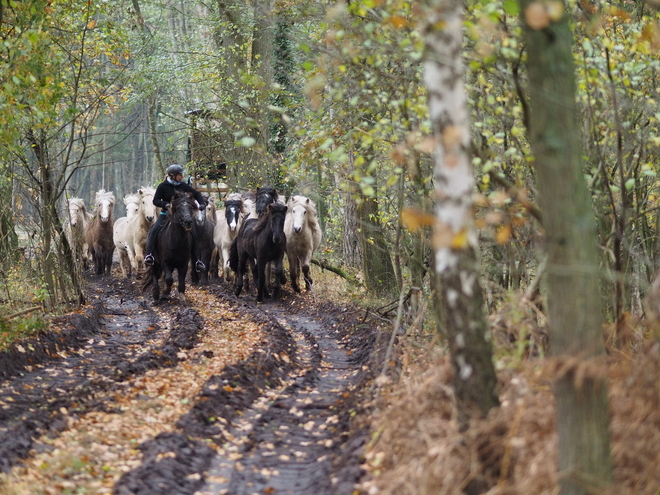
278, 420
283, 443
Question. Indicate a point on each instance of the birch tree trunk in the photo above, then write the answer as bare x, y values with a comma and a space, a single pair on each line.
574, 306
458, 291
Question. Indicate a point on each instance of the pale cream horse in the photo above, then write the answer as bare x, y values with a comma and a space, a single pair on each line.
131, 234
132, 202
303, 237
74, 229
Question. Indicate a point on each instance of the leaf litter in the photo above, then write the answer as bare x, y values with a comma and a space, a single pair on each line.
178, 400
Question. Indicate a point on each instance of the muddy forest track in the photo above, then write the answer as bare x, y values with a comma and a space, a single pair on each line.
277, 421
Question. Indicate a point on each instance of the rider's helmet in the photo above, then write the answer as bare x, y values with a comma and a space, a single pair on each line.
174, 170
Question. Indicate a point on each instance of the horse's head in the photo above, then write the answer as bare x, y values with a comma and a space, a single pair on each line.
298, 206
147, 206
182, 210
249, 208
265, 196
211, 209
77, 211
276, 215
200, 215
132, 202
105, 201
234, 208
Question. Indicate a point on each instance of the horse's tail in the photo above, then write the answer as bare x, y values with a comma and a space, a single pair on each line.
233, 255
147, 281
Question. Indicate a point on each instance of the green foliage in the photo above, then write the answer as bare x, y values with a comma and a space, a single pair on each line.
617, 61
364, 133
19, 328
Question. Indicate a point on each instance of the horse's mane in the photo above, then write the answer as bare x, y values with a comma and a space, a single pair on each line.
262, 221
234, 197
251, 195
268, 190
178, 198
147, 191
130, 198
78, 202
102, 195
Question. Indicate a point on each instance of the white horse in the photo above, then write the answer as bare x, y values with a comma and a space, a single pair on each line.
132, 202
98, 233
303, 237
74, 228
229, 220
130, 232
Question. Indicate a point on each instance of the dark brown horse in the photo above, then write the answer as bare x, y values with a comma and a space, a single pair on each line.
262, 240
98, 234
173, 245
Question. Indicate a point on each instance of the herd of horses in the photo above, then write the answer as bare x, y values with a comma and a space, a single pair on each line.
252, 232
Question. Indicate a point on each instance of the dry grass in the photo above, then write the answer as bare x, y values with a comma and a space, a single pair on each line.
417, 449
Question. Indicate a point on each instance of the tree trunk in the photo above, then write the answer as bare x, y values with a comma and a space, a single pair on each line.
574, 306
376, 261
455, 239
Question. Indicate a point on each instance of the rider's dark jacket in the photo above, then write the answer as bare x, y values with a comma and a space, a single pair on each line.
166, 189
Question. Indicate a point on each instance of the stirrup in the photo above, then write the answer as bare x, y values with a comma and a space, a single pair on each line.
200, 266
149, 260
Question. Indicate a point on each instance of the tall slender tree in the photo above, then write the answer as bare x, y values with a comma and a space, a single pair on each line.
574, 305
458, 291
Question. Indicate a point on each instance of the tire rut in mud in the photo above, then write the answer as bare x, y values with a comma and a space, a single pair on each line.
63, 372
279, 421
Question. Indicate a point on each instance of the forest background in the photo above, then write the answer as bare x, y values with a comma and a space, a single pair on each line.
327, 99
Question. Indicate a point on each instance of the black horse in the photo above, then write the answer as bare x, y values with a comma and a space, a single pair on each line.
265, 195
262, 240
173, 245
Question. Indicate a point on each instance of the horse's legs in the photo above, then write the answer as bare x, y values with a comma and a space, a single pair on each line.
306, 274
155, 276
253, 270
108, 260
169, 280
242, 266
125, 263
213, 266
181, 288
194, 274
261, 281
98, 259
293, 270
279, 270
226, 271
138, 255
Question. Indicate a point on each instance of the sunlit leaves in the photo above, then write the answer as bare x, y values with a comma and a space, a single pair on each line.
415, 219
370, 84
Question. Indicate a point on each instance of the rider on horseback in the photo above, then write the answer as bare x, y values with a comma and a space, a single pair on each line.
162, 198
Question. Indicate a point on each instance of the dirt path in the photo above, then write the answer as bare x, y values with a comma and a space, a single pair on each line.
222, 396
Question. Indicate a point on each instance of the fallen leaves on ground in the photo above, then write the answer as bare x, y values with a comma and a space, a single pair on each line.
96, 448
